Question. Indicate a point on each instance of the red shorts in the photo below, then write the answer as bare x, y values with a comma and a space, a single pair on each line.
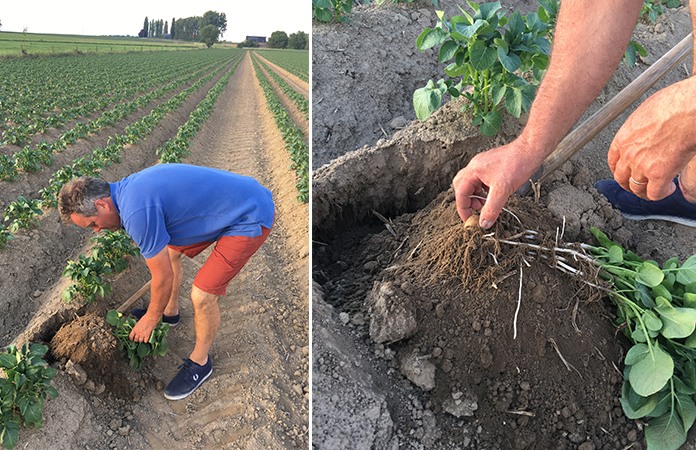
228, 257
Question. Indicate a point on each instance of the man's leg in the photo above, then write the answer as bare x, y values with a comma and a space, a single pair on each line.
176, 258
206, 320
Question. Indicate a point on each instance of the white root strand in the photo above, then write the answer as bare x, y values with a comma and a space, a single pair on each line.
519, 302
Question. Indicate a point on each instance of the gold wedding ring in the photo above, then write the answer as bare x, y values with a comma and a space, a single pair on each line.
636, 182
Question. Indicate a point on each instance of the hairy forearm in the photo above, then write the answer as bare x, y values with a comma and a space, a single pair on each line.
591, 38
160, 292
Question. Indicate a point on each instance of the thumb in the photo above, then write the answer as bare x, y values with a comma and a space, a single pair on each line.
491, 209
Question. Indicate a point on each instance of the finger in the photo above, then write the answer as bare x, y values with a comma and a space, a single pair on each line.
658, 190
463, 188
491, 209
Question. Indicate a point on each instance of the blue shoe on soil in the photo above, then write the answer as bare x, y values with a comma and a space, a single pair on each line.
674, 208
188, 379
173, 321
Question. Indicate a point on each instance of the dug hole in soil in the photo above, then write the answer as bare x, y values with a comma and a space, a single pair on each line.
257, 395
414, 340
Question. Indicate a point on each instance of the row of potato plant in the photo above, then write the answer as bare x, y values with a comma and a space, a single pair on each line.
91, 165
178, 147
44, 94
292, 135
30, 160
294, 61
297, 98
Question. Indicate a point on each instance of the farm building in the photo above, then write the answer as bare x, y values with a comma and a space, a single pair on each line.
259, 39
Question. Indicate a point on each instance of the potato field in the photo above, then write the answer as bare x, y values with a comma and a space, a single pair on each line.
108, 116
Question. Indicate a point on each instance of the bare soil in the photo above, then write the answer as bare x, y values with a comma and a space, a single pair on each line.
257, 396
410, 350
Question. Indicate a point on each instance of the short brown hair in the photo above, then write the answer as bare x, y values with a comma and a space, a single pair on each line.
78, 196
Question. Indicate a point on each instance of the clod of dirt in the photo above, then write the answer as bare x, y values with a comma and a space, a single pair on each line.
91, 353
419, 370
393, 315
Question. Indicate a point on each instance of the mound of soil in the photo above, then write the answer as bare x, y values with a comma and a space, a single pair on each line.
88, 342
438, 301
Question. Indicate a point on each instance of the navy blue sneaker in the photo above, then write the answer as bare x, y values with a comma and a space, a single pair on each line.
674, 208
188, 379
173, 321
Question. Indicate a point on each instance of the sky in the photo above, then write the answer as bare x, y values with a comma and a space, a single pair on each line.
126, 17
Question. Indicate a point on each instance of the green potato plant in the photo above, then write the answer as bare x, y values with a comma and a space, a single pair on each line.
657, 312
488, 51
24, 385
137, 351
327, 10
22, 213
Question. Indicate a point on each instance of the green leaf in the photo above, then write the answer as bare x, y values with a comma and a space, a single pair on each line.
665, 433
430, 38
651, 321
497, 92
615, 255
687, 273
516, 24
661, 291
513, 101
643, 407
7, 361
677, 322
482, 56
491, 123
10, 435
34, 412
427, 99
651, 368
510, 61
447, 51
649, 274
113, 317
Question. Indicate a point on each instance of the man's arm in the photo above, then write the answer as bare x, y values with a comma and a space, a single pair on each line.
590, 39
160, 291
658, 140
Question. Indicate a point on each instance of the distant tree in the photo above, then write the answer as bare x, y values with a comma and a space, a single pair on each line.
146, 27
248, 43
173, 33
209, 35
298, 41
187, 29
219, 20
151, 31
166, 27
278, 39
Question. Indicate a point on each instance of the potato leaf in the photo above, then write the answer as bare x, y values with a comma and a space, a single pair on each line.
634, 405
649, 274
651, 368
677, 322
665, 433
687, 273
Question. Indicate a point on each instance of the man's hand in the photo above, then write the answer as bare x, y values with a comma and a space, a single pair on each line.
500, 171
143, 329
656, 142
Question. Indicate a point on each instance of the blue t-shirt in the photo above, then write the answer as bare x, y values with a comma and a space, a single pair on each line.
179, 204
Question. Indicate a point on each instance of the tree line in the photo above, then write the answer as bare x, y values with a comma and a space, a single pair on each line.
280, 39
206, 28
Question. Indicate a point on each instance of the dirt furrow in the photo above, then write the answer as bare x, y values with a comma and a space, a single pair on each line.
301, 86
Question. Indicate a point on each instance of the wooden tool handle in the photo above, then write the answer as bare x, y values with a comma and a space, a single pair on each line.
581, 135
123, 309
